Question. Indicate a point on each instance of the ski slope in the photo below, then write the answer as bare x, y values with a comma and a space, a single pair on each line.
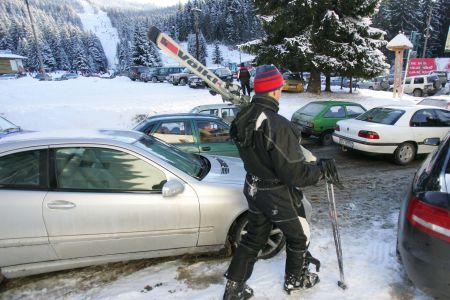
98, 22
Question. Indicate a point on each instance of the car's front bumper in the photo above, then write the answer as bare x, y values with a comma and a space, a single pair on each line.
381, 148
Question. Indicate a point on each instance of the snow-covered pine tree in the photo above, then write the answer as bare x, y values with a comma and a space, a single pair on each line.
47, 55
217, 54
192, 47
155, 57
80, 59
405, 16
141, 49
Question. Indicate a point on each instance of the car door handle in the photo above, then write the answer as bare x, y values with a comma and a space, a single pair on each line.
61, 204
206, 148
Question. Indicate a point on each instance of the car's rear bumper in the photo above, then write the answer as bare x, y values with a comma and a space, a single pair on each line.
382, 148
307, 130
426, 260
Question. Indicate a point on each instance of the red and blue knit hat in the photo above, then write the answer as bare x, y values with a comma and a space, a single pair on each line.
267, 79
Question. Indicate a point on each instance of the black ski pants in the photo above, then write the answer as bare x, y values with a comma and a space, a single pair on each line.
245, 86
279, 205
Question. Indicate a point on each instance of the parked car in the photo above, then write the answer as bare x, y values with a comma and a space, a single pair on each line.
180, 78
437, 101
442, 76
318, 118
135, 72
76, 199
222, 72
7, 128
380, 83
43, 77
421, 85
194, 133
396, 130
160, 74
9, 76
293, 83
423, 239
225, 111
67, 76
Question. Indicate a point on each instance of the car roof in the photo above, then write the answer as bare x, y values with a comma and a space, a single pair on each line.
338, 102
407, 107
182, 116
440, 97
100, 136
219, 105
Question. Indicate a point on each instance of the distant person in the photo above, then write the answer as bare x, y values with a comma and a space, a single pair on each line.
243, 76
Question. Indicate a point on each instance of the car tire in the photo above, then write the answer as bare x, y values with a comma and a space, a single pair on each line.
417, 93
326, 138
437, 84
370, 87
405, 153
183, 81
154, 79
133, 79
275, 243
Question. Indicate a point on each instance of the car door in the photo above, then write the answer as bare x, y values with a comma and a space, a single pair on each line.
178, 133
214, 138
329, 118
408, 86
429, 123
108, 200
23, 186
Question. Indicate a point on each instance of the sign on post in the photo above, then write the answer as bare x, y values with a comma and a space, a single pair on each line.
421, 66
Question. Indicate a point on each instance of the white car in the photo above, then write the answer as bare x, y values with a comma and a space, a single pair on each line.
442, 101
396, 130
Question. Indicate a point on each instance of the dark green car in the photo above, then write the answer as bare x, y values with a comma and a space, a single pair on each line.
194, 133
318, 118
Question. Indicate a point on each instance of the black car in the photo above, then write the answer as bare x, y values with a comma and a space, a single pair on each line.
160, 74
423, 240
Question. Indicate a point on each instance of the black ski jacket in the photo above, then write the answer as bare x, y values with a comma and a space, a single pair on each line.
270, 146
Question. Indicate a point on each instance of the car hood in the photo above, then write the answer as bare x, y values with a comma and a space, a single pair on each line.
225, 170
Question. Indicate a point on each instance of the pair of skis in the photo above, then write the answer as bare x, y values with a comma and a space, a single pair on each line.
231, 93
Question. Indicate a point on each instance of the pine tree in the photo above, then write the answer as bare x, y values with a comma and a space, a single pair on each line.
141, 49
155, 57
217, 55
192, 47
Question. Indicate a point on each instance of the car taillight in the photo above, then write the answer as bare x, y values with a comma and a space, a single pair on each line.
429, 218
371, 135
337, 128
310, 124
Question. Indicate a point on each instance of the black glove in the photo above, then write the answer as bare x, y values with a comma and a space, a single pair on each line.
329, 171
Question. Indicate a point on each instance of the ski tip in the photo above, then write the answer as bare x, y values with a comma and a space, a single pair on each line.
153, 34
342, 285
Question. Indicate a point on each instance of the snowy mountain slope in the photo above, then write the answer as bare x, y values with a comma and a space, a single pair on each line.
99, 23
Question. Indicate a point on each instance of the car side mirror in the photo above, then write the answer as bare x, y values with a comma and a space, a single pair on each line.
172, 188
432, 141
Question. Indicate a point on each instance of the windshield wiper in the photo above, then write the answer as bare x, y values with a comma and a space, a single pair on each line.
10, 129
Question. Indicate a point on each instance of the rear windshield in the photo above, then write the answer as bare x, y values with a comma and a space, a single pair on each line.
382, 115
434, 102
311, 109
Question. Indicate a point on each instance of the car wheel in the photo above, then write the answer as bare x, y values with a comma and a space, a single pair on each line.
154, 79
417, 93
183, 81
437, 84
133, 79
370, 87
405, 153
326, 138
274, 244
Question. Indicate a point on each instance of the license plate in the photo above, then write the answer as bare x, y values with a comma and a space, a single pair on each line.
346, 143
293, 86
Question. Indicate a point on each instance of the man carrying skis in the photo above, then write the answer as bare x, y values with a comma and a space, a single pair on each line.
243, 76
276, 168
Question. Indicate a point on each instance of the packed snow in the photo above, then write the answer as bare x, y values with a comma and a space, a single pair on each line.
371, 268
98, 22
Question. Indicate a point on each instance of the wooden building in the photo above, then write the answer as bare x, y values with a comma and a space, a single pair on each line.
11, 63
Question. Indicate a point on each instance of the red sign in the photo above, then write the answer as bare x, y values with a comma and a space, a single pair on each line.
421, 66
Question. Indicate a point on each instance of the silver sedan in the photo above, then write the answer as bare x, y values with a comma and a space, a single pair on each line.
73, 199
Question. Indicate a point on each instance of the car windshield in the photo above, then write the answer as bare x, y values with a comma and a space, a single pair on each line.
192, 164
311, 109
5, 125
434, 102
382, 115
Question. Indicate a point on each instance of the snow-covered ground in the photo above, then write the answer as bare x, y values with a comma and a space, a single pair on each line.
98, 22
372, 271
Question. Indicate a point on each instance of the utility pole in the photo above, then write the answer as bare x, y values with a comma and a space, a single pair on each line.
41, 65
197, 11
427, 33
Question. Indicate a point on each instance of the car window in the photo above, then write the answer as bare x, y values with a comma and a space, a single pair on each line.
418, 80
229, 112
311, 109
443, 118
213, 132
381, 115
424, 118
24, 169
211, 111
335, 112
105, 169
353, 111
175, 132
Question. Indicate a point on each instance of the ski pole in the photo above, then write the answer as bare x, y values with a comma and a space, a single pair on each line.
336, 235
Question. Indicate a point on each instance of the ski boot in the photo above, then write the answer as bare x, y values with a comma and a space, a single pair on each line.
306, 280
237, 291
